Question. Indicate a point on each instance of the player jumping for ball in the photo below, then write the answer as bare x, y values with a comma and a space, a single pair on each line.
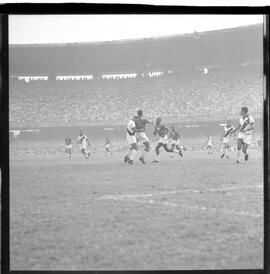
68, 143
227, 138
245, 127
83, 142
141, 135
175, 143
131, 140
162, 132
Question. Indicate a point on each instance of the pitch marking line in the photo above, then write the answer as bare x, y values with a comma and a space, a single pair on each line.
207, 209
162, 193
134, 198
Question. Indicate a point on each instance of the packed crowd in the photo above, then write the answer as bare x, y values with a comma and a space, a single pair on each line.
216, 95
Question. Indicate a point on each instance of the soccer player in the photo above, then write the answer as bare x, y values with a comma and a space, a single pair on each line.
209, 144
131, 140
108, 145
68, 143
83, 142
245, 127
227, 137
175, 143
141, 135
162, 132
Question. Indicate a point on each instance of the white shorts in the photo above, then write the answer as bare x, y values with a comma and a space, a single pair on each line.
141, 137
245, 137
107, 146
163, 140
69, 146
82, 147
131, 139
175, 142
210, 144
227, 140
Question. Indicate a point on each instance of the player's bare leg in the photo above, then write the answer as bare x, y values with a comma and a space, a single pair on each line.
86, 154
144, 151
180, 150
239, 147
226, 151
209, 149
165, 146
108, 150
245, 150
132, 153
172, 147
175, 150
127, 156
159, 145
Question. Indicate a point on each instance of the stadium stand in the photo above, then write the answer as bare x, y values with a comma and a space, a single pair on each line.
221, 93
222, 68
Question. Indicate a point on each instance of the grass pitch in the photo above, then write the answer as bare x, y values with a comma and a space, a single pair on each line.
195, 212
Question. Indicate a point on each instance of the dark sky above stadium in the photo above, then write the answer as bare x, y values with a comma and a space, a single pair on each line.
33, 29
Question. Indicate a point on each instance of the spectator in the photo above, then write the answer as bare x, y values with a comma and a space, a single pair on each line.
216, 95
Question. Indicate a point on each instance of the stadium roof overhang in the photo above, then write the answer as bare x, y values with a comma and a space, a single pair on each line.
222, 47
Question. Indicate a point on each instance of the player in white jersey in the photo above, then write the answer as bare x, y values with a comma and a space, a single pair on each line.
108, 145
141, 135
83, 142
209, 144
131, 140
245, 127
227, 138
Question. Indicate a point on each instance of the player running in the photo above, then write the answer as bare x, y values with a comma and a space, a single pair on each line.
141, 135
227, 138
175, 143
108, 145
209, 144
245, 127
131, 140
83, 142
162, 132
68, 143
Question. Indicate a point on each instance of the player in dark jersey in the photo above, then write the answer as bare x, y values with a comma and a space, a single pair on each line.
175, 143
68, 143
141, 135
162, 132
